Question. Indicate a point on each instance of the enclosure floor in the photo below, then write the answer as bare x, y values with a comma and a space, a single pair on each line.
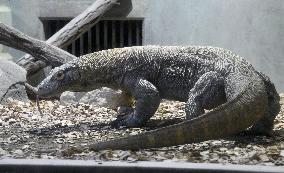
63, 132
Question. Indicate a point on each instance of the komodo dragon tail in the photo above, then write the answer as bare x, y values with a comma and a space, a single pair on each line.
229, 118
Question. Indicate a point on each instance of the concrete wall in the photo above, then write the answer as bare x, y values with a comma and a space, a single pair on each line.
5, 16
252, 28
24, 17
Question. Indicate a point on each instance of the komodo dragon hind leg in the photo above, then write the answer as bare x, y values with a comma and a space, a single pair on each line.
207, 93
265, 125
147, 102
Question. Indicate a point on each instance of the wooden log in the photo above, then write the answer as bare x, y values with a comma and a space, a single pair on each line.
70, 32
82, 23
50, 54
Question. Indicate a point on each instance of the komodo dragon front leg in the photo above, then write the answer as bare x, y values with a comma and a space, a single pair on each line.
207, 93
147, 102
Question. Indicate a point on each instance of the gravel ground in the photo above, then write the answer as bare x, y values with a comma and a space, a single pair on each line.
25, 133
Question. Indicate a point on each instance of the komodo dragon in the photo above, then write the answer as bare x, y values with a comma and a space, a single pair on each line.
203, 77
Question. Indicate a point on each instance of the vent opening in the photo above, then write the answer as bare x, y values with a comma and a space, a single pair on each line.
105, 34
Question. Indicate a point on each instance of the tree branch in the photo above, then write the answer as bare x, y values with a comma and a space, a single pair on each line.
70, 32
50, 54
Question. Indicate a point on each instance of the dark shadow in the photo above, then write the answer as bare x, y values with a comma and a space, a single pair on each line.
59, 129
154, 124
245, 138
241, 139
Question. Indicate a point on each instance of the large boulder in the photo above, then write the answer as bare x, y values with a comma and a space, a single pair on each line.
104, 97
12, 77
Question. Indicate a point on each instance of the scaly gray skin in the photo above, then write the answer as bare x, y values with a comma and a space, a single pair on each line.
203, 77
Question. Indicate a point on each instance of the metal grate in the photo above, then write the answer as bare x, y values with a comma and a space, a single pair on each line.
105, 34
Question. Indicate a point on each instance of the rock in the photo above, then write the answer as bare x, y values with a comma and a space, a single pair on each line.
3, 152
68, 97
18, 152
10, 75
282, 153
12, 121
104, 97
273, 151
25, 147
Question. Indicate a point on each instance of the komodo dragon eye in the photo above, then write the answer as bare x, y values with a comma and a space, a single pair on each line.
60, 75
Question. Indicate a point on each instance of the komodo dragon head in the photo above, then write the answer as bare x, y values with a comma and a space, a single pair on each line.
60, 79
